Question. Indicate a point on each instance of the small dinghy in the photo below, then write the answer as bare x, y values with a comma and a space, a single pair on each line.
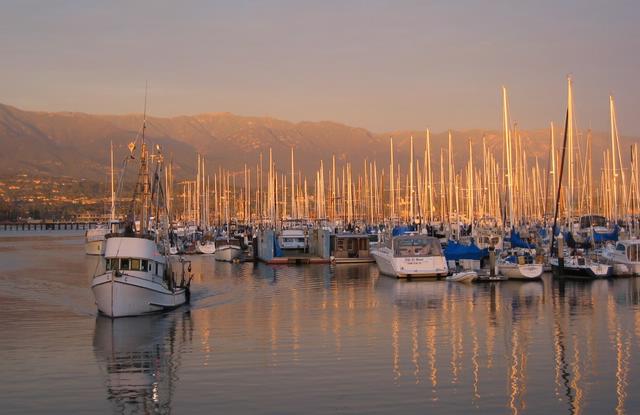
463, 276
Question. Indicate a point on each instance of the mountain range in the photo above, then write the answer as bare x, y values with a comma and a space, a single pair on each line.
76, 144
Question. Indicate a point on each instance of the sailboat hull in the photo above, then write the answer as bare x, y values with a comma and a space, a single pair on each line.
525, 272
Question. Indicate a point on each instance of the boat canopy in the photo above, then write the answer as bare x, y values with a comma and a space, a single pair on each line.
456, 251
518, 242
606, 236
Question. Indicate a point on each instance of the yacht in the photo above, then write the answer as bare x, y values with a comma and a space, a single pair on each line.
624, 257
411, 255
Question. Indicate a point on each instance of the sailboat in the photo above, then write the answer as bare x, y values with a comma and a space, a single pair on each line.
138, 278
227, 247
518, 264
95, 238
576, 265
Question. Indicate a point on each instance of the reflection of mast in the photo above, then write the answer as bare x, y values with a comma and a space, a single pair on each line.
395, 334
563, 377
431, 351
623, 354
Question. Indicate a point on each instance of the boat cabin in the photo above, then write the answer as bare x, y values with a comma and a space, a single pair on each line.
351, 248
294, 239
414, 245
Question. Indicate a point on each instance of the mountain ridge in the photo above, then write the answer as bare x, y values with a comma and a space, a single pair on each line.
75, 144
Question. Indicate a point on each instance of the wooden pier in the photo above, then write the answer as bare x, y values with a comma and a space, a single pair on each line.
46, 226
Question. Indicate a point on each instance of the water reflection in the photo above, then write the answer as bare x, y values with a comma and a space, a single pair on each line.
139, 357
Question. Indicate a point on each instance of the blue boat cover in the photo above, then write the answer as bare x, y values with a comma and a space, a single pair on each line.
399, 230
609, 236
456, 251
517, 242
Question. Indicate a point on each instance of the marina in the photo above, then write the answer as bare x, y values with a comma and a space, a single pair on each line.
344, 337
286, 207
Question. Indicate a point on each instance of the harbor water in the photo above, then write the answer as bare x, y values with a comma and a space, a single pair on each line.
312, 339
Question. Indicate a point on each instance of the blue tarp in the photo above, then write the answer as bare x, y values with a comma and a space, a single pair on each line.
399, 230
455, 251
609, 236
277, 251
517, 242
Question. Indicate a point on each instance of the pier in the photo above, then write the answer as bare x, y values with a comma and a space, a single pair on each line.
47, 226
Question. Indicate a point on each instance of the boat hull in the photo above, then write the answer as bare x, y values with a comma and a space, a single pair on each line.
206, 248
464, 276
590, 272
228, 253
418, 267
122, 295
525, 272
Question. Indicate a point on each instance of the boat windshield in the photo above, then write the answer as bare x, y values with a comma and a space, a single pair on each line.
417, 247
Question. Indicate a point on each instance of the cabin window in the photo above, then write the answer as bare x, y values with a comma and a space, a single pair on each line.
108, 264
157, 269
135, 265
620, 247
145, 265
124, 264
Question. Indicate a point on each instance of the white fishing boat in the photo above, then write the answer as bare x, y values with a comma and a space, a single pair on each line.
138, 279
463, 276
227, 249
624, 257
411, 255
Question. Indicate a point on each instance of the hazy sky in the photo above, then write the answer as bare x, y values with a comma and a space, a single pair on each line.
382, 65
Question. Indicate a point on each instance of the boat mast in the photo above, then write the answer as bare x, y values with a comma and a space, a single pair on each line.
113, 192
507, 145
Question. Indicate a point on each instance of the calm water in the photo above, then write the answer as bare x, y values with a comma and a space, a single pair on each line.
314, 339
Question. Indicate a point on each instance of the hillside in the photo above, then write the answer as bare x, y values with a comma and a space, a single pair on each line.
76, 144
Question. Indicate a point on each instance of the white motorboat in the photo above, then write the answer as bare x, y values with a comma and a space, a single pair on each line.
227, 249
411, 255
463, 276
138, 279
624, 257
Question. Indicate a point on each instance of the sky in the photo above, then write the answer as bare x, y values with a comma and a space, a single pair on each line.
381, 65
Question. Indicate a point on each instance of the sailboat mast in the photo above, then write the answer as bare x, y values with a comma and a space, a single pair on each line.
113, 192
